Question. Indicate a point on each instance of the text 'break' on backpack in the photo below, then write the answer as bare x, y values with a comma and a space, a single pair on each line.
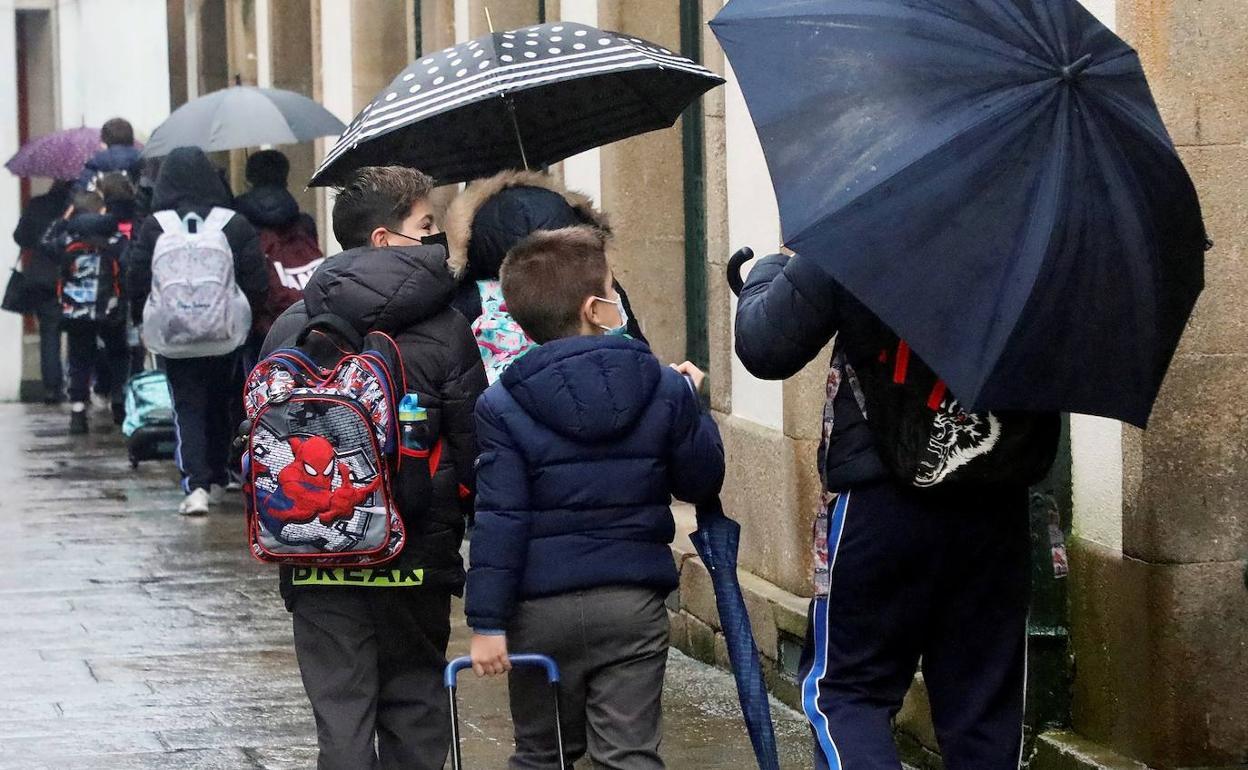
195, 308
325, 472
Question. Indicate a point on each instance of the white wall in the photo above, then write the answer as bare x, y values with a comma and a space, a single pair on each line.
10, 199
131, 80
1095, 442
754, 221
583, 172
336, 90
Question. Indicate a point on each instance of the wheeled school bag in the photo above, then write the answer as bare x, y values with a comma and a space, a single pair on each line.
195, 308
149, 426
323, 470
450, 679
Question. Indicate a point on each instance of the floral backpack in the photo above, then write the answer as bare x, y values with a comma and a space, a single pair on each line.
499, 338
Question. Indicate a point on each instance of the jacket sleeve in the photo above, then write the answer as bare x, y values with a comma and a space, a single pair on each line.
786, 314
250, 265
696, 468
463, 384
500, 540
139, 267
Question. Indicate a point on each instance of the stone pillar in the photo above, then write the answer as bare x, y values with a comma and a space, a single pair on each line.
10, 192
290, 36
1159, 626
643, 190
378, 47
332, 67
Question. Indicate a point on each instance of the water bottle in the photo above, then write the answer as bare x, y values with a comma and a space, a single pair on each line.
413, 424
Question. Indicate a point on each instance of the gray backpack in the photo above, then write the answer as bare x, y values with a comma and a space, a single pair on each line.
195, 308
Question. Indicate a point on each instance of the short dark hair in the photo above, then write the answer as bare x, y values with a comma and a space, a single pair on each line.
117, 131
268, 168
376, 196
548, 276
115, 187
87, 201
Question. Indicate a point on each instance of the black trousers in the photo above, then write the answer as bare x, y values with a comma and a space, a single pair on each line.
203, 391
51, 369
913, 577
87, 358
372, 662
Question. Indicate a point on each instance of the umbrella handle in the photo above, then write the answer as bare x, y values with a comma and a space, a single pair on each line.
735, 263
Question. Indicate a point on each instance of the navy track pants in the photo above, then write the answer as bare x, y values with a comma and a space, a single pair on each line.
942, 579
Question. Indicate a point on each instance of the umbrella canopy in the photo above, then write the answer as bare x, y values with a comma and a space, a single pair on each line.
243, 116
717, 540
58, 155
518, 99
992, 179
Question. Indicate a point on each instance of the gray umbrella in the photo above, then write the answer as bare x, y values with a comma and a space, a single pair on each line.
243, 116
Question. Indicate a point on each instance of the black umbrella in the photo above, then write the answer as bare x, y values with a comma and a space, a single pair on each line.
992, 179
518, 99
242, 116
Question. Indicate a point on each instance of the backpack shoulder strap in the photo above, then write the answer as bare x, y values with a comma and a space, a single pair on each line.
217, 219
169, 221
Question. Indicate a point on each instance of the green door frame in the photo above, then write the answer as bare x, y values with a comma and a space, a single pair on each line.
697, 345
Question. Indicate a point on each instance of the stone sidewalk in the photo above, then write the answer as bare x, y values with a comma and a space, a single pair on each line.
131, 637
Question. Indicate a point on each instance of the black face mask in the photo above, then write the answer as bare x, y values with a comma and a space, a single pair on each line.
437, 239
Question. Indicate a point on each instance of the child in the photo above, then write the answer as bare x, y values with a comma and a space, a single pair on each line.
371, 642
585, 440
87, 246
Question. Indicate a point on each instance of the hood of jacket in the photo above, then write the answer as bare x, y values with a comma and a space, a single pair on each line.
382, 289
188, 179
493, 214
588, 389
91, 225
266, 206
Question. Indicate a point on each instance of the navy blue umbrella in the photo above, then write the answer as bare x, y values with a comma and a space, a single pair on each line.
716, 540
991, 178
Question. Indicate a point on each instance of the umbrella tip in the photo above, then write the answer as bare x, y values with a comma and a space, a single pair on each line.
1073, 70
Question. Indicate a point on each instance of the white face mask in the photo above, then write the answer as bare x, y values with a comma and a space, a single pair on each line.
615, 331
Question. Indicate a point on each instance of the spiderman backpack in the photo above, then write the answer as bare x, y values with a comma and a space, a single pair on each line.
322, 470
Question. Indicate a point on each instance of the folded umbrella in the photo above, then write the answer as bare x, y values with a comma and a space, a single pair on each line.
991, 178
58, 155
518, 99
716, 540
243, 116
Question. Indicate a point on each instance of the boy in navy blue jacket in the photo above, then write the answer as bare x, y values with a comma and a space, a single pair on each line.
585, 440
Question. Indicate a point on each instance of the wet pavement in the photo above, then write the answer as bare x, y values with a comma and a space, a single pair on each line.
131, 637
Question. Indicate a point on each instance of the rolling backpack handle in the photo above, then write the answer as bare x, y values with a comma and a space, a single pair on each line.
524, 659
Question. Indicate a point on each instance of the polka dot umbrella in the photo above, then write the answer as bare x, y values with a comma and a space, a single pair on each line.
518, 99
58, 155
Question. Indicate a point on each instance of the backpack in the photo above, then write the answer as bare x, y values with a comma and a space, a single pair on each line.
925, 437
293, 256
90, 289
499, 338
322, 467
195, 308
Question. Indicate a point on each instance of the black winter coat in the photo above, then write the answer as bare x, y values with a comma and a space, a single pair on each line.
122, 158
190, 183
406, 292
275, 207
584, 442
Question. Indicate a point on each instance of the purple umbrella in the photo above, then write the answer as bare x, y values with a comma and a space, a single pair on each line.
59, 155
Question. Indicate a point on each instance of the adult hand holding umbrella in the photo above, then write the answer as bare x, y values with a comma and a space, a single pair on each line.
517, 99
243, 116
992, 179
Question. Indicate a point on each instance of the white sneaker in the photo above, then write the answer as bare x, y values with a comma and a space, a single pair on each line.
216, 494
195, 504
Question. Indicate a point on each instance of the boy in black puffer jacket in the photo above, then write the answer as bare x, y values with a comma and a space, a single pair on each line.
585, 440
372, 643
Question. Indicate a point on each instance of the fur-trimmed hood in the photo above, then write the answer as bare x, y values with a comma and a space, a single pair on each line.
493, 214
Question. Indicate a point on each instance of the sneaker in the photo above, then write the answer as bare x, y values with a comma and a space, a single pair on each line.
216, 494
195, 504
236, 482
78, 420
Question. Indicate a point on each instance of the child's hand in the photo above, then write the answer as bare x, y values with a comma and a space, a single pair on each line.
692, 372
489, 654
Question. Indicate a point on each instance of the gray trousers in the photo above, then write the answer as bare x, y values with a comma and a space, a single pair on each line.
611, 647
372, 661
